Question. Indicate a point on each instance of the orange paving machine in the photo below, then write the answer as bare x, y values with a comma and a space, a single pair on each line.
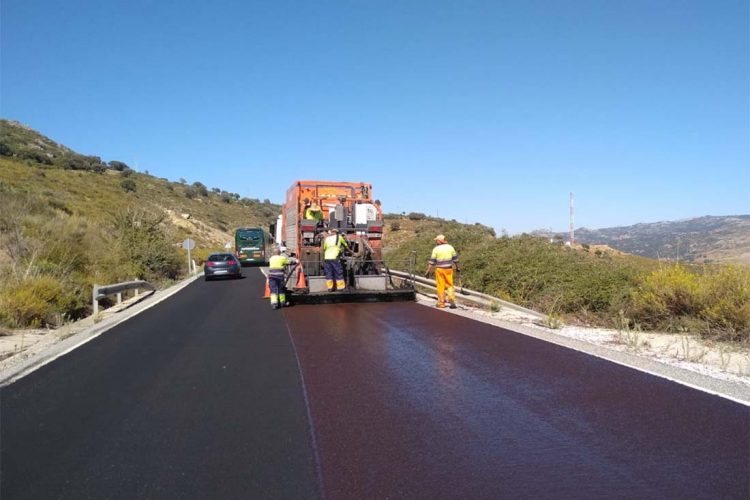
349, 208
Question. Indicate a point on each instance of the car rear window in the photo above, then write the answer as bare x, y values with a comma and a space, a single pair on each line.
224, 257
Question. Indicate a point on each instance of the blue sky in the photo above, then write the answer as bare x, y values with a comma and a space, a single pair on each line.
482, 111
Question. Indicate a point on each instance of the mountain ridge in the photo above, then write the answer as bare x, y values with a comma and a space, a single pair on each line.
702, 239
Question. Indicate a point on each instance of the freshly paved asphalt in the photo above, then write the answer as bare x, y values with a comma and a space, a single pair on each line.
202, 396
411, 402
198, 397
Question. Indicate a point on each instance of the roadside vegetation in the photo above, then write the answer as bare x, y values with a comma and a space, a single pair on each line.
69, 221
586, 286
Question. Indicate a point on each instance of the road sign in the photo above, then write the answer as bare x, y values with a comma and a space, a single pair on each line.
188, 245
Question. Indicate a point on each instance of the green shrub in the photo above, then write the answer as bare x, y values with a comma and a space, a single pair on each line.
128, 185
663, 297
141, 241
725, 296
32, 302
714, 303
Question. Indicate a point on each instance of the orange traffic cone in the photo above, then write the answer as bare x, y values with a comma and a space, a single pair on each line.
267, 293
301, 279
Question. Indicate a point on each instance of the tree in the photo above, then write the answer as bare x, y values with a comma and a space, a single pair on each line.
200, 188
118, 165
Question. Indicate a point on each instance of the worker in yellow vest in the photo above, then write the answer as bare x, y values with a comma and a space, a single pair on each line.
277, 277
443, 258
314, 212
333, 245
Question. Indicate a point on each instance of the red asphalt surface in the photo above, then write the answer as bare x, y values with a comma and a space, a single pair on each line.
412, 402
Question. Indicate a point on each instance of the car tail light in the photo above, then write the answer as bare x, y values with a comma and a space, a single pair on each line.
210, 263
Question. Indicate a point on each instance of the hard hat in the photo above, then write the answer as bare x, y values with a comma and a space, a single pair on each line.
440, 238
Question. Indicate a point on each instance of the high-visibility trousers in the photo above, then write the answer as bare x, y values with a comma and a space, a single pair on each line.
444, 283
334, 271
278, 289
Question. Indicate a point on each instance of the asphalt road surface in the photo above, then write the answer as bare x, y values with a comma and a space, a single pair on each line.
211, 394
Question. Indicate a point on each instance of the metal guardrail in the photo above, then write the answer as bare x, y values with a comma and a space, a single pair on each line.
487, 299
104, 291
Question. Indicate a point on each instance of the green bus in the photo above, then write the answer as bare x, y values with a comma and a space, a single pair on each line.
252, 245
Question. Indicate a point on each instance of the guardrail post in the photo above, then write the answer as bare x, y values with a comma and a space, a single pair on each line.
95, 304
119, 297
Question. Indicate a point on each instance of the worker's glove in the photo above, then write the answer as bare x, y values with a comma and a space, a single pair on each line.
458, 270
427, 274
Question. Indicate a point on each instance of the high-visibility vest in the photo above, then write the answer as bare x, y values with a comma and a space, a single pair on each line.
276, 265
332, 246
443, 256
311, 214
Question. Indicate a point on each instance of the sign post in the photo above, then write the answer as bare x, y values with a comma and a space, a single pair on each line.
188, 245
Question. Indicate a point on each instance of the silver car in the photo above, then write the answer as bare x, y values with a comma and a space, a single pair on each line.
222, 264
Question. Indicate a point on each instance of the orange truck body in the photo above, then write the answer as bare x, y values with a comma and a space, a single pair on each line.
346, 206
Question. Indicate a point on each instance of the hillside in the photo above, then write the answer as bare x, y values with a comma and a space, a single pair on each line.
70, 220
701, 239
86, 186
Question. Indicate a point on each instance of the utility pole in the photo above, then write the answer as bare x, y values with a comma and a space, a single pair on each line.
572, 215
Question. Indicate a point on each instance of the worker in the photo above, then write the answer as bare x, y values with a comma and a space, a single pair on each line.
277, 277
443, 259
332, 247
313, 212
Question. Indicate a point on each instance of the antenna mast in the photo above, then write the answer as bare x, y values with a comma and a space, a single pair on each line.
572, 215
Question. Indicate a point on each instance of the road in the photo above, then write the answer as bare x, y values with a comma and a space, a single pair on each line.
211, 394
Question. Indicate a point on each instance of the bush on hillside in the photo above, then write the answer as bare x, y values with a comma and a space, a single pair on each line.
141, 241
128, 185
714, 303
34, 302
200, 189
725, 296
118, 165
